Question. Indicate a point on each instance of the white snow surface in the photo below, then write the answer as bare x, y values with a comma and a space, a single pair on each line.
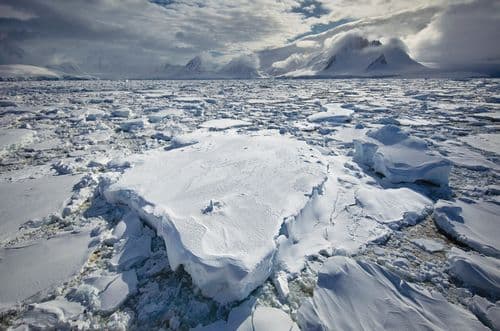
12, 138
224, 124
400, 157
220, 203
39, 265
489, 142
394, 207
481, 273
332, 113
357, 295
32, 199
476, 225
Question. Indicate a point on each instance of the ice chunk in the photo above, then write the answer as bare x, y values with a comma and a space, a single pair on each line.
428, 245
331, 221
332, 113
132, 125
487, 312
248, 318
357, 295
118, 290
26, 270
114, 289
394, 207
32, 199
481, 273
485, 141
61, 309
12, 138
224, 124
219, 204
401, 158
122, 112
476, 225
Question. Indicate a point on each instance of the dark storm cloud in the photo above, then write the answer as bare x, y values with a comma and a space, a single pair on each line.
139, 35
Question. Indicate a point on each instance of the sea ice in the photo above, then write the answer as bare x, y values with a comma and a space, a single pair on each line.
357, 295
476, 225
481, 273
428, 245
12, 138
247, 317
224, 124
39, 265
486, 311
219, 204
485, 141
32, 199
114, 289
401, 158
332, 113
393, 207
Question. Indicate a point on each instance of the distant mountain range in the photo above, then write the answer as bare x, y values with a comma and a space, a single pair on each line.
325, 55
15, 72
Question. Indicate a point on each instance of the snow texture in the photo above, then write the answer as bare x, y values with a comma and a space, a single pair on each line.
475, 224
220, 213
357, 295
401, 158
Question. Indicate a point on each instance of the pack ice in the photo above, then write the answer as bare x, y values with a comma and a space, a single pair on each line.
472, 224
219, 204
400, 157
358, 295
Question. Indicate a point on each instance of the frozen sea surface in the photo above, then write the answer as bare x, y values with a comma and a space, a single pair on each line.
222, 205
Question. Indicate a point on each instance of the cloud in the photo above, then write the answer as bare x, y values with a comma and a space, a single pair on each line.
465, 35
135, 36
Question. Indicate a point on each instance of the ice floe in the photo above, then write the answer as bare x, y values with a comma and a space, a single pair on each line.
39, 265
401, 158
224, 124
481, 273
32, 200
475, 224
357, 295
220, 212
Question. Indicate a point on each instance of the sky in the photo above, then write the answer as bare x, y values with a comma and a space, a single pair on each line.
143, 35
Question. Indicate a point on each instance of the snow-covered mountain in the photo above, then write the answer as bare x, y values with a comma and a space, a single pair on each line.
26, 72
29, 72
243, 67
70, 70
346, 55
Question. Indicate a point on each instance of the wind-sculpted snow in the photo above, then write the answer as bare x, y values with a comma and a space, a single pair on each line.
247, 188
473, 224
481, 273
401, 158
357, 295
220, 203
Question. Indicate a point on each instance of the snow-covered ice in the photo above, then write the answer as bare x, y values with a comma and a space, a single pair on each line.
401, 158
32, 200
39, 265
221, 211
475, 224
224, 124
133, 204
357, 295
478, 272
486, 141
332, 113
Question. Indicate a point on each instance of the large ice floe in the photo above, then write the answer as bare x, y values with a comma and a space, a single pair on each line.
220, 203
475, 224
480, 273
39, 265
357, 295
401, 158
